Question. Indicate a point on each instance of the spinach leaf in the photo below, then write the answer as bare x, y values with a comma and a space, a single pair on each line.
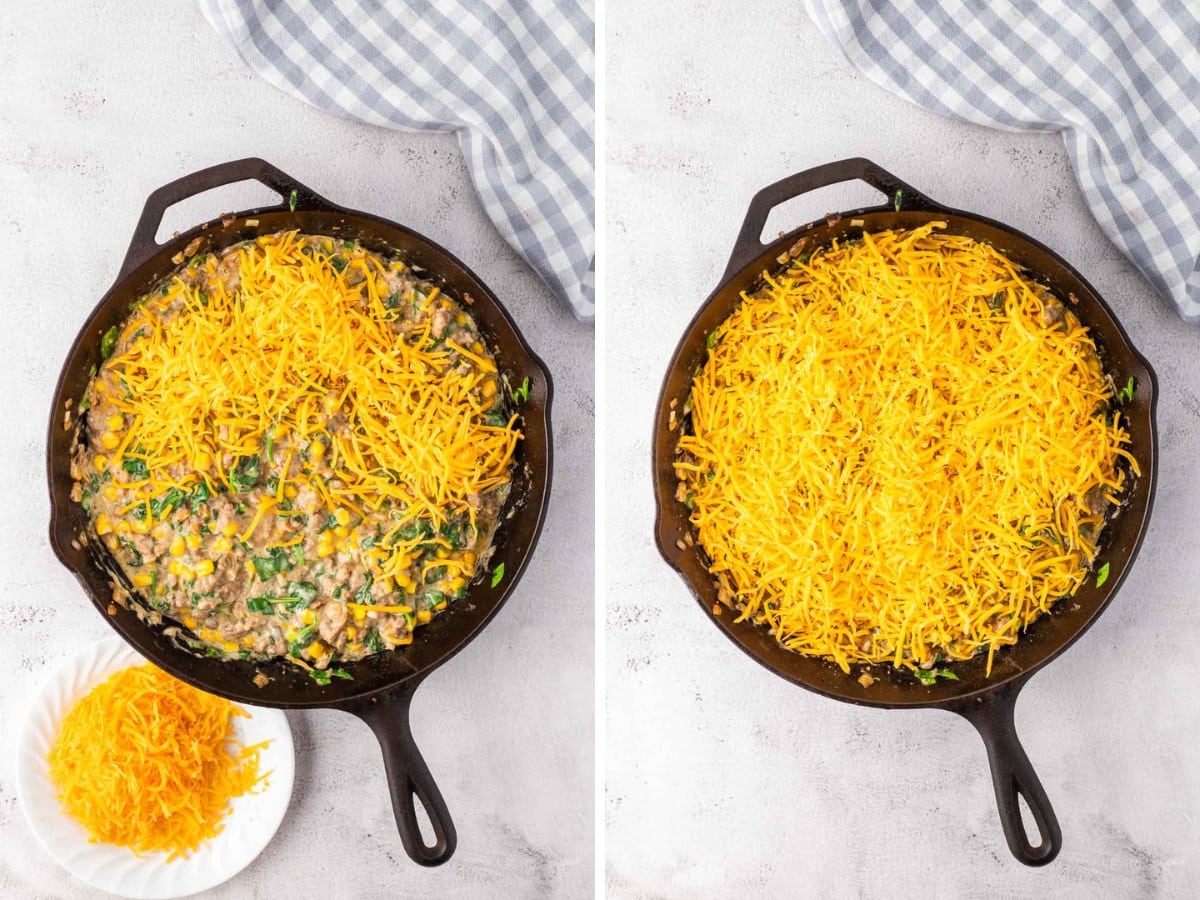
89, 492
200, 494
434, 574
497, 574
292, 197
322, 676
161, 506
1102, 575
135, 466
521, 394
244, 476
267, 567
135, 555
496, 417
264, 605
108, 343
363, 594
415, 529
455, 533
305, 591
1126, 393
929, 676
373, 641
302, 640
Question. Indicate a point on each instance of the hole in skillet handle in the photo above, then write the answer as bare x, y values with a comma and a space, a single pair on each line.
1013, 776
408, 776
898, 194
144, 244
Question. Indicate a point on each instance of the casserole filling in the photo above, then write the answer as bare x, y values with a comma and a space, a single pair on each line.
297, 448
902, 450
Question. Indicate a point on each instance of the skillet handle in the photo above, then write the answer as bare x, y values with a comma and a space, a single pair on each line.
1013, 776
409, 779
900, 196
143, 245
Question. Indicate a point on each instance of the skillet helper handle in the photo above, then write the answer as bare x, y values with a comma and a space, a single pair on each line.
900, 196
409, 779
143, 245
1013, 777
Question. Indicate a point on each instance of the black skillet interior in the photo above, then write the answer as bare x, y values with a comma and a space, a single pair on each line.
987, 701
383, 683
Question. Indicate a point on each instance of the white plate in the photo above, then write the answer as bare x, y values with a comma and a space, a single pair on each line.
249, 827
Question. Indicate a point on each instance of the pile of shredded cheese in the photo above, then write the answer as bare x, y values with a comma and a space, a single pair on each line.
147, 762
895, 451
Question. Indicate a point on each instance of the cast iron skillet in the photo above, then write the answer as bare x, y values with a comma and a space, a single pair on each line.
986, 702
383, 684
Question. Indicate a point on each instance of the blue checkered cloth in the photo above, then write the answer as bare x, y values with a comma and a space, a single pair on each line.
1120, 80
513, 79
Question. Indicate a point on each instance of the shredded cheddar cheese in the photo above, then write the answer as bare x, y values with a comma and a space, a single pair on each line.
147, 762
286, 349
900, 451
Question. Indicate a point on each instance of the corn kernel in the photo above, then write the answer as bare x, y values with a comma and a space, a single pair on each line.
178, 546
290, 492
230, 647
316, 649
111, 492
222, 544
324, 550
103, 525
230, 530
424, 615
115, 422
142, 580
360, 615
109, 441
188, 574
458, 583
342, 531
175, 567
141, 526
193, 541
489, 389
477, 347
189, 622
440, 605
308, 617
468, 559
442, 552
386, 583
123, 527
204, 567
202, 461
316, 449
112, 543
100, 463
341, 516
351, 632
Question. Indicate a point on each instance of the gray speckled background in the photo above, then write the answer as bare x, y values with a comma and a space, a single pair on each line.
722, 779
102, 104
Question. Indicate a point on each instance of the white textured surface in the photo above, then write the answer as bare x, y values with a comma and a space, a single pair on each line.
102, 104
249, 827
725, 781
